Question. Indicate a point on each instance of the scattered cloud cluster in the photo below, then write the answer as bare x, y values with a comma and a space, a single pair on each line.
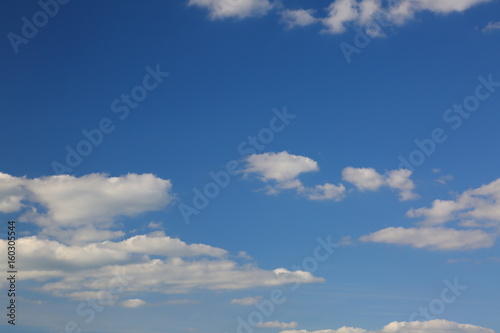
367, 179
432, 326
80, 271
76, 253
339, 14
475, 211
281, 171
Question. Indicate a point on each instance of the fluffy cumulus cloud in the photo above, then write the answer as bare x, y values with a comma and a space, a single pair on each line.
220, 9
325, 192
81, 271
90, 204
281, 171
363, 178
298, 17
432, 326
281, 167
367, 179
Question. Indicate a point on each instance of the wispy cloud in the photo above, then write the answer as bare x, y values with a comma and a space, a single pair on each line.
444, 239
492, 26
246, 301
277, 324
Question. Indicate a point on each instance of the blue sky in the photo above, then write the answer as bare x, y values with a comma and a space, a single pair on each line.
118, 116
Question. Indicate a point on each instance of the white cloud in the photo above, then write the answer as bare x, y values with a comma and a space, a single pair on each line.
277, 324
165, 246
281, 172
432, 326
133, 303
246, 301
325, 192
298, 17
443, 6
367, 179
80, 271
221, 9
476, 212
433, 238
48, 255
364, 12
492, 26
444, 179
478, 207
367, 10
90, 204
244, 255
282, 169
401, 11
175, 276
154, 225
363, 178
339, 13
400, 180
11, 193
346, 241
340, 330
